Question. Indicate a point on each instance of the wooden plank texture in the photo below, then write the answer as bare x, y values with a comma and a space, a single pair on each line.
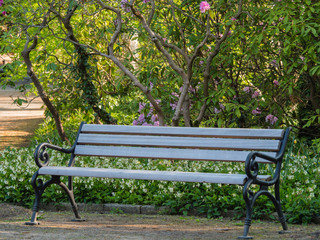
165, 153
148, 175
183, 142
185, 131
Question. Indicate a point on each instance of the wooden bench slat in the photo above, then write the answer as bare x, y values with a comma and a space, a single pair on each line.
184, 142
165, 153
148, 175
185, 131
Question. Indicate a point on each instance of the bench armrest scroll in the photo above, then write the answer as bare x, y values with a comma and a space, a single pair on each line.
41, 156
252, 167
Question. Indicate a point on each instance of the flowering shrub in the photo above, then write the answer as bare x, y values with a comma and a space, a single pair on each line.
149, 119
3, 12
272, 119
204, 6
256, 111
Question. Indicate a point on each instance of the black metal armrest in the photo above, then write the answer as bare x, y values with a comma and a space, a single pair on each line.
252, 167
41, 156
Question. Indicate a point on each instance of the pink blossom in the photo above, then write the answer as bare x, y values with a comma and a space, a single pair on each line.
146, 1
256, 111
146, 124
233, 19
116, 21
191, 89
1, 2
175, 94
150, 112
124, 5
4, 13
255, 94
141, 118
275, 119
156, 123
141, 106
247, 89
135, 122
173, 106
273, 63
204, 6
201, 62
302, 58
154, 117
221, 106
276, 83
272, 119
216, 110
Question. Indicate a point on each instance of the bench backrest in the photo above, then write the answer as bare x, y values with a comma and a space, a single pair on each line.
178, 143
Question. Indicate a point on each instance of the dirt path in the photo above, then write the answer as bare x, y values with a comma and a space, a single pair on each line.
16, 123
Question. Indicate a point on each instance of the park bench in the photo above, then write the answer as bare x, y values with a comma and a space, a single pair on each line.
249, 147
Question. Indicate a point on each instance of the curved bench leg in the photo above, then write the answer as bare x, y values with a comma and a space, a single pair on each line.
276, 202
248, 197
278, 207
39, 188
69, 191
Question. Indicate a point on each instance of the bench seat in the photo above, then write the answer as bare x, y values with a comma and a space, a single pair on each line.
239, 179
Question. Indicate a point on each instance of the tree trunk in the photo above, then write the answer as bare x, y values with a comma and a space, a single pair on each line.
55, 114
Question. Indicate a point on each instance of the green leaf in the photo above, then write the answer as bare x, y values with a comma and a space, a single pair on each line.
314, 32
52, 66
211, 13
238, 113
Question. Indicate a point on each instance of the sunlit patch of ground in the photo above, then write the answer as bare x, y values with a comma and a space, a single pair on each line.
17, 124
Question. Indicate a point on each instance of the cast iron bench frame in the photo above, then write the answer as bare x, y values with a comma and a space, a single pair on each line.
249, 146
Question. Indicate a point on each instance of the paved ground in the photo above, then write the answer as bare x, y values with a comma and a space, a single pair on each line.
17, 123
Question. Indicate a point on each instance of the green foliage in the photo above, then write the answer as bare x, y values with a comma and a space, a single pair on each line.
271, 48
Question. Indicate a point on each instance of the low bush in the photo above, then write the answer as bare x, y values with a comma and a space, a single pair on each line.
300, 192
